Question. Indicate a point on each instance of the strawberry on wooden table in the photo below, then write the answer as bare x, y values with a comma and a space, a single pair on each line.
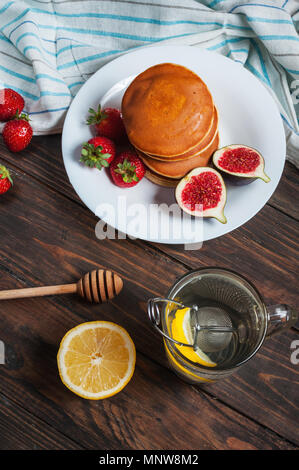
108, 122
5, 180
98, 152
127, 169
17, 133
10, 103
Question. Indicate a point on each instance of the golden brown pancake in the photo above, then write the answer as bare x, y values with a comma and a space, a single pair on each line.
200, 148
161, 180
167, 110
180, 168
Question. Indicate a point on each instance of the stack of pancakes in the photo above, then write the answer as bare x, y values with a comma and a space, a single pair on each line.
171, 120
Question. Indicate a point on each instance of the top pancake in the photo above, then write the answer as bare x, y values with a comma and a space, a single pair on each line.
167, 110
198, 148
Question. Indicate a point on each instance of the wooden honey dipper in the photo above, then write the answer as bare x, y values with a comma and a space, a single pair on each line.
96, 286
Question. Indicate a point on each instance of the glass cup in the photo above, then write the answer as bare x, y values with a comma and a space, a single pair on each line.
213, 321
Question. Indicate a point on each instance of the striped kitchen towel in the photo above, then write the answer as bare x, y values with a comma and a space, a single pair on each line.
48, 49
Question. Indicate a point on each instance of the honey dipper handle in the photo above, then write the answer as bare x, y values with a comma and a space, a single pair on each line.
38, 291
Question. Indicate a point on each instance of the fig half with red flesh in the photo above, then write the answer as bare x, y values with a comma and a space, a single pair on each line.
202, 193
241, 164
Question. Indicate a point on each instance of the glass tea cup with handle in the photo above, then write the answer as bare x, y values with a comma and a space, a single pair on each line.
213, 321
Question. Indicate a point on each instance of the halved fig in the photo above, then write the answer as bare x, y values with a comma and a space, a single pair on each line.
202, 193
241, 164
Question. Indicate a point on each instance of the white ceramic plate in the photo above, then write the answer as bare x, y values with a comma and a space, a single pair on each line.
247, 115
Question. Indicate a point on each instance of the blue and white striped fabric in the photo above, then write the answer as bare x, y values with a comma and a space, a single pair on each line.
48, 49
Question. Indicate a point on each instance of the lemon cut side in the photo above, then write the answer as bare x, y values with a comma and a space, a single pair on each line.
181, 331
96, 359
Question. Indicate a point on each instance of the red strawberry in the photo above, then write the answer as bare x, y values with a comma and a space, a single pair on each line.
10, 103
108, 123
98, 152
127, 169
5, 180
17, 133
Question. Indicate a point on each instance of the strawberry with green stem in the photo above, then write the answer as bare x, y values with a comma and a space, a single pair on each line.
127, 169
5, 180
17, 133
98, 152
108, 123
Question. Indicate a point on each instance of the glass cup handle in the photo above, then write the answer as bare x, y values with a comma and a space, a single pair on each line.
280, 317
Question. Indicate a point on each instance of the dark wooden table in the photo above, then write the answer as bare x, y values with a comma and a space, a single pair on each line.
47, 237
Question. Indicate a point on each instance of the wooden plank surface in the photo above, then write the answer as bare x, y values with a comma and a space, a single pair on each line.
286, 194
20, 430
47, 238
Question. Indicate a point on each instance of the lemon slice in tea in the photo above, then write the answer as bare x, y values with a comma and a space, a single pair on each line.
181, 331
96, 359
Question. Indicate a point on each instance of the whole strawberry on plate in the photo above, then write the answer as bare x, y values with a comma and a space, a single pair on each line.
108, 122
98, 152
17, 133
5, 180
10, 103
127, 169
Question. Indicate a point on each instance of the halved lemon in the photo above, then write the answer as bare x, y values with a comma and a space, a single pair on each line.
181, 331
96, 359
